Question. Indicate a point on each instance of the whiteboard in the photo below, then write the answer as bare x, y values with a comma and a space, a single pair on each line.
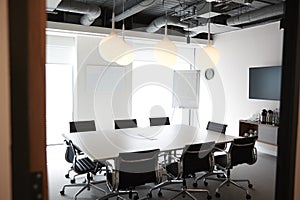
103, 79
186, 84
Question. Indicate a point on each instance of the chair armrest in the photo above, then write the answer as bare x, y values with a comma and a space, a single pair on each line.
228, 157
254, 155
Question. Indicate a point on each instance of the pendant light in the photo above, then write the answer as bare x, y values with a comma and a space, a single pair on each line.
107, 46
127, 51
209, 53
165, 51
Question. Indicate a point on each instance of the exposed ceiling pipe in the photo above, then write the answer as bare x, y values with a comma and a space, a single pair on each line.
135, 9
156, 24
90, 12
256, 15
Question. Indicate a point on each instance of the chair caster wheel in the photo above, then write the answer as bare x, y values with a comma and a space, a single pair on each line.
135, 197
149, 195
248, 196
218, 195
67, 176
72, 181
62, 192
220, 175
209, 197
160, 194
205, 183
250, 185
195, 184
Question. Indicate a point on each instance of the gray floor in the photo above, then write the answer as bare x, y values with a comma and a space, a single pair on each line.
261, 174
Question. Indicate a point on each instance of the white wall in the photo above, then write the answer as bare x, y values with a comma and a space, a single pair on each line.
239, 50
100, 106
107, 106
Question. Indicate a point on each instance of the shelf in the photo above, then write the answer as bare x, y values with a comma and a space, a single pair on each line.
258, 123
267, 133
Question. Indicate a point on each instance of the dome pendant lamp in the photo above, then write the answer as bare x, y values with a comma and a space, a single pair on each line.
127, 51
107, 46
165, 51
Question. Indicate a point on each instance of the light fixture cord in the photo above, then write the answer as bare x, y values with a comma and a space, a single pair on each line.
113, 17
209, 10
123, 25
166, 25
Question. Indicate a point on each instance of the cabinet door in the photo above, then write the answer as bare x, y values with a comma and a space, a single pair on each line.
267, 134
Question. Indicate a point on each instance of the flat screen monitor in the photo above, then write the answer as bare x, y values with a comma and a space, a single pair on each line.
265, 83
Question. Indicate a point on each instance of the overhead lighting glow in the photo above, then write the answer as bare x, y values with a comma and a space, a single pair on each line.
165, 51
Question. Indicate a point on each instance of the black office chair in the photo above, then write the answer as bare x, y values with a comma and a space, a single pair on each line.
83, 166
195, 158
77, 126
131, 170
220, 128
159, 121
241, 151
125, 123
82, 126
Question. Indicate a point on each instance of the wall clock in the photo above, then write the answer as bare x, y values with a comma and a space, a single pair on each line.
209, 73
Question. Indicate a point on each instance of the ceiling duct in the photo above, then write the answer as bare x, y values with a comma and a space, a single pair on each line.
256, 15
160, 22
90, 12
135, 9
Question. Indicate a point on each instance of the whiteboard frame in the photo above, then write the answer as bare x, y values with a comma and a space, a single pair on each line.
196, 88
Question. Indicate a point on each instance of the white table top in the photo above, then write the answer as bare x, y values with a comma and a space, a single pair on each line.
104, 145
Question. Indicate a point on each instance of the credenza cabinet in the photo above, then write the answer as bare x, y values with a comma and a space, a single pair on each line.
266, 133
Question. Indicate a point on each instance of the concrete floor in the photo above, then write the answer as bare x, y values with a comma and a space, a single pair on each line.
261, 174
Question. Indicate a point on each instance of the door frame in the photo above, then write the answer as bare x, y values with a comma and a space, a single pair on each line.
27, 26
287, 136
27, 64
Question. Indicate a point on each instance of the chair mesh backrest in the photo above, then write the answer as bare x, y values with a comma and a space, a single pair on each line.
69, 154
212, 126
137, 168
82, 126
220, 128
242, 151
197, 158
159, 121
125, 123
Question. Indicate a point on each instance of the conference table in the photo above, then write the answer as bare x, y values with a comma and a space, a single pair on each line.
103, 145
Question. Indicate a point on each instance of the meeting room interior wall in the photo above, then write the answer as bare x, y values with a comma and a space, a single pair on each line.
94, 105
239, 50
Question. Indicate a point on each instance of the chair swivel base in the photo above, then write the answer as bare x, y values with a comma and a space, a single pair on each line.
84, 186
227, 181
195, 183
183, 191
119, 193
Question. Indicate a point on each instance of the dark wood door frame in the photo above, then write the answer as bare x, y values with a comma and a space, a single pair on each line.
27, 27
27, 20
287, 136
